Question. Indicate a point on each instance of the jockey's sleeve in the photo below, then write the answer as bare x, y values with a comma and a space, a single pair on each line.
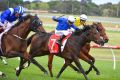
57, 19
74, 27
4, 15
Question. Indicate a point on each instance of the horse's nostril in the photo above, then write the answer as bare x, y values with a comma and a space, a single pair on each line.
106, 40
101, 42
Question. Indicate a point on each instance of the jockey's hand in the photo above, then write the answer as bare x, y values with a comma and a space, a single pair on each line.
5, 25
1, 29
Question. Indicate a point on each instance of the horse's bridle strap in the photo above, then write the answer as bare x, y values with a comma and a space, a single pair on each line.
18, 36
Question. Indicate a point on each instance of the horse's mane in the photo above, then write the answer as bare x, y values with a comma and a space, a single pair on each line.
85, 28
24, 19
42, 33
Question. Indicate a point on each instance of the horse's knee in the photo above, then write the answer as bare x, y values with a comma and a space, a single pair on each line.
93, 60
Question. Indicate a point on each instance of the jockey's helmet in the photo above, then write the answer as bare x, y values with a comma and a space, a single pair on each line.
71, 19
83, 17
19, 9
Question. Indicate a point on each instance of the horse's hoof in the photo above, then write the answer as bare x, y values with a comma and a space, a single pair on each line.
86, 72
5, 63
98, 73
17, 72
46, 73
3, 75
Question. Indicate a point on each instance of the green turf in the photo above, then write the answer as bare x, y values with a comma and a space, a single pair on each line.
104, 62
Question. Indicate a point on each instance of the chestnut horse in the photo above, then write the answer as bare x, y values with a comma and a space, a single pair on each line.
39, 46
14, 43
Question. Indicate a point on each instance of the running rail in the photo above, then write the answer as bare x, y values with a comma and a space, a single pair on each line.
105, 46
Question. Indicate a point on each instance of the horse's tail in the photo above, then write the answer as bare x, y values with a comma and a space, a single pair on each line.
29, 40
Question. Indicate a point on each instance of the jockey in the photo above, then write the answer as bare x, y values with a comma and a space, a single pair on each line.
9, 16
64, 26
80, 21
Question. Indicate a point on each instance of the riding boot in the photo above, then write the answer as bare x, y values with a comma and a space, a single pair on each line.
60, 40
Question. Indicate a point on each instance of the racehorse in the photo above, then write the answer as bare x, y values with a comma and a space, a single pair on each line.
84, 53
39, 46
14, 42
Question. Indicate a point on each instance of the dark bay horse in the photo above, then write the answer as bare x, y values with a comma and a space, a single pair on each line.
84, 52
14, 42
39, 46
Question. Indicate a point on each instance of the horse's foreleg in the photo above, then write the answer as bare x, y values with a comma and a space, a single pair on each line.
66, 64
18, 69
2, 74
21, 66
76, 60
92, 64
86, 58
74, 68
90, 57
50, 60
38, 65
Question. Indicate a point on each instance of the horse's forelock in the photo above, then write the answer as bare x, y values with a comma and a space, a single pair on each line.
86, 27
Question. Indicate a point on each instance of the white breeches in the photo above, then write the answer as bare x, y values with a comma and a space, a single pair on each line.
7, 26
63, 32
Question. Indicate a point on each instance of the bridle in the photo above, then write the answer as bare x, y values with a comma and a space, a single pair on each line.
35, 23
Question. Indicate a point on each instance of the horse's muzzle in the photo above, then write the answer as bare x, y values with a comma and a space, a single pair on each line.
100, 42
106, 40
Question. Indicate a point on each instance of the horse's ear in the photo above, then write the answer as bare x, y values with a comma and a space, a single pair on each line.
36, 15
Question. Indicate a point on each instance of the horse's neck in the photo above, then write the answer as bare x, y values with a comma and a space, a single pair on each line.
21, 30
82, 40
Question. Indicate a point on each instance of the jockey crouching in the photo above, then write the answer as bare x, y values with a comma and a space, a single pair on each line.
64, 27
80, 21
9, 16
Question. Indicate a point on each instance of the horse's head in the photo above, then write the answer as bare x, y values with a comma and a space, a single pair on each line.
101, 30
36, 24
92, 34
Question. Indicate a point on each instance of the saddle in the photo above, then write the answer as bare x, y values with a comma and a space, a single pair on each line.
54, 47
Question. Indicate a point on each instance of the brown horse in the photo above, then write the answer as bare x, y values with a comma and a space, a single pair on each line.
14, 42
39, 46
84, 53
